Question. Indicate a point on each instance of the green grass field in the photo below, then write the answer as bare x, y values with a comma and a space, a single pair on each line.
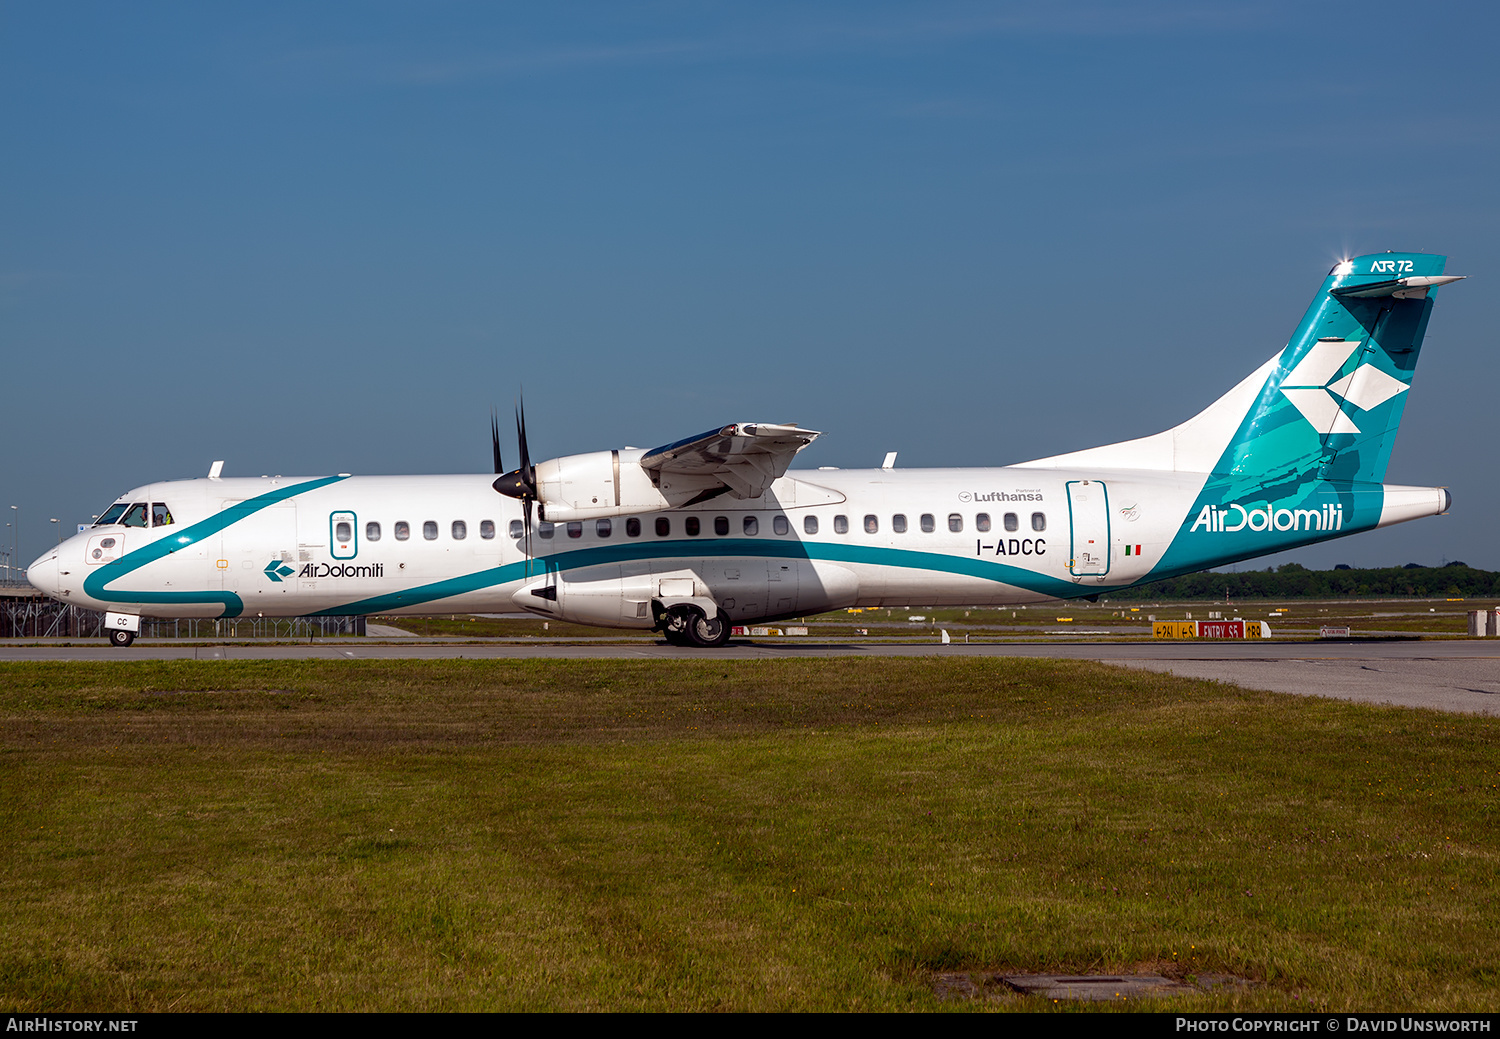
787, 835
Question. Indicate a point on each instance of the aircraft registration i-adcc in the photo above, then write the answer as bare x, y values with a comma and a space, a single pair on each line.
714, 530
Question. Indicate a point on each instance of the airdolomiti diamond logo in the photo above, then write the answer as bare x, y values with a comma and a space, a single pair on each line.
1312, 390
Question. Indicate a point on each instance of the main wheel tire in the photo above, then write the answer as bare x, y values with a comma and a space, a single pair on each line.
121, 638
707, 632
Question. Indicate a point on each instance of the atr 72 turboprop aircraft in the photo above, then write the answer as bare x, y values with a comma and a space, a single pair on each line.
698, 535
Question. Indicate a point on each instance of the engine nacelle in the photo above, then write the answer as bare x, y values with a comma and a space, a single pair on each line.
745, 589
609, 596
610, 483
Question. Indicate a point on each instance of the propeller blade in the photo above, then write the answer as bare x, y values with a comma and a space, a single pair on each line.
519, 483
527, 470
526, 533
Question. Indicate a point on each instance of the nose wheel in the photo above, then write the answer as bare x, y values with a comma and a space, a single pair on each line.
120, 638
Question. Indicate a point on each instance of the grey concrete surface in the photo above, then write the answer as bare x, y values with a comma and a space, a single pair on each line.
1463, 685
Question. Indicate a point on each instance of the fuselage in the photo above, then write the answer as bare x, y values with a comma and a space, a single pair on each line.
816, 540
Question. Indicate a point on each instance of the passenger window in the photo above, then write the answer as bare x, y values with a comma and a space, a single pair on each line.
721, 525
160, 516
982, 522
810, 524
517, 528
544, 530
136, 517
955, 522
780, 525
429, 530
841, 524
460, 530
691, 526
575, 529
928, 523
372, 531
603, 528
751, 526
343, 532
487, 529
663, 527
632, 527
1038, 521
1012, 522
872, 525
403, 530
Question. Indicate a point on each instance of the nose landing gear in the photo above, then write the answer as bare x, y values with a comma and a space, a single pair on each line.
120, 638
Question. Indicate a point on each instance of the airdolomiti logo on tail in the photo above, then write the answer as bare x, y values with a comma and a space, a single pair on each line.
1226, 519
1312, 390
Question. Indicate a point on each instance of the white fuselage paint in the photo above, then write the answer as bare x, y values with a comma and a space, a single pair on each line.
606, 579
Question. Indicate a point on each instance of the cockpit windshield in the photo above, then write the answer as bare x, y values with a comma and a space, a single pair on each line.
136, 514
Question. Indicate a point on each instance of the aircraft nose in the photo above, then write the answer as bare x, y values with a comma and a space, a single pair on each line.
43, 573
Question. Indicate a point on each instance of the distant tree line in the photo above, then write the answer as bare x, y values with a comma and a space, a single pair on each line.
1294, 581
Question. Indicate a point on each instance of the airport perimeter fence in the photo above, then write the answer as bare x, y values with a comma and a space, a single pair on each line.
46, 618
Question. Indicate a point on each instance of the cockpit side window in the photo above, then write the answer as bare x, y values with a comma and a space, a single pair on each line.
136, 516
112, 514
160, 514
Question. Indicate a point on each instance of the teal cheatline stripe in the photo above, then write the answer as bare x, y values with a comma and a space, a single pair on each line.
96, 585
613, 555
430, 592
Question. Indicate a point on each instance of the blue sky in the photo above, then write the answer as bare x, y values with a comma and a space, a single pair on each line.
329, 238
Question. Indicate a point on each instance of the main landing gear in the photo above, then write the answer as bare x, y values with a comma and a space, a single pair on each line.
690, 626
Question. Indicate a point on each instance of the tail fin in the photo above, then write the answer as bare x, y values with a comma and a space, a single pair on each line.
1330, 409
1325, 408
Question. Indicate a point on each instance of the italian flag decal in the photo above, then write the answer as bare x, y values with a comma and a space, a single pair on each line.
1132, 550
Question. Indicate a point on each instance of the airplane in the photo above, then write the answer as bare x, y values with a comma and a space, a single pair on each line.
694, 537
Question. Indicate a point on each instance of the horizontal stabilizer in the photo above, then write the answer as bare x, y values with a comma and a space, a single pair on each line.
1400, 288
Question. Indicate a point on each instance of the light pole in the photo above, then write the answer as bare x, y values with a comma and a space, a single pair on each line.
15, 538
59, 529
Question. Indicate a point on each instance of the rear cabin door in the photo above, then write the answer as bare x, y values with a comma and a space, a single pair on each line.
1088, 519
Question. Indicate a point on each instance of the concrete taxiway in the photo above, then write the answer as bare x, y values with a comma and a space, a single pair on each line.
1448, 675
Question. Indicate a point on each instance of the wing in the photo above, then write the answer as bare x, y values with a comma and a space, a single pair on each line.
744, 458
